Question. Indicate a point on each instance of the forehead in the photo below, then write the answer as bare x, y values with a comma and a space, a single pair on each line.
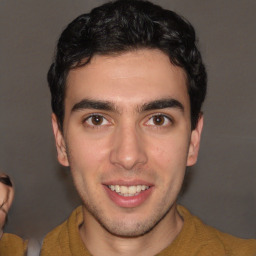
128, 79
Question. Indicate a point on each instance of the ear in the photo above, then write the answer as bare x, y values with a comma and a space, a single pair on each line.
195, 142
60, 142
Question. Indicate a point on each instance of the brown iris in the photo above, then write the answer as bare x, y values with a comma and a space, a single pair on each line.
97, 120
158, 120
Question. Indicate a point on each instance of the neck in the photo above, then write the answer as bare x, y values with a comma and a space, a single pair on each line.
100, 242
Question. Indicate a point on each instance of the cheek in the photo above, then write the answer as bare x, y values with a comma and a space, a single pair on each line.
84, 164
86, 154
170, 152
169, 159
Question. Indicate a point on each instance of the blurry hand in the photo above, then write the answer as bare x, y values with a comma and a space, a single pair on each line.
6, 198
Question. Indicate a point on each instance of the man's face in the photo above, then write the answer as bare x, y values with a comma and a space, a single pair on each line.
127, 139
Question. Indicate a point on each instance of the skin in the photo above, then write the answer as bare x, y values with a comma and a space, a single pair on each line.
6, 198
130, 141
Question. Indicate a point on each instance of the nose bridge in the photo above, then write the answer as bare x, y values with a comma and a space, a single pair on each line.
128, 148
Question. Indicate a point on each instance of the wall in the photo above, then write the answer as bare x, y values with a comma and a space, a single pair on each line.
222, 185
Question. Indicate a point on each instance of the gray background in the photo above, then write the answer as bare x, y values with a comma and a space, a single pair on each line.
222, 185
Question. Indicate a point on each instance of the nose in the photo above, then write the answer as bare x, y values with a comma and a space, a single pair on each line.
128, 150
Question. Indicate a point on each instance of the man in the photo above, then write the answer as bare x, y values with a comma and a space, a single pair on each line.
127, 88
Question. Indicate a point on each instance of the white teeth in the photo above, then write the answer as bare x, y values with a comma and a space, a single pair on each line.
128, 190
132, 190
123, 190
117, 188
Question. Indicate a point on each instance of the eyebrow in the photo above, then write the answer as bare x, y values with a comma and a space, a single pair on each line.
109, 106
161, 104
93, 104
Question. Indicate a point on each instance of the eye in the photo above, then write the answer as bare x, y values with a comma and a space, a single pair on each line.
159, 120
96, 120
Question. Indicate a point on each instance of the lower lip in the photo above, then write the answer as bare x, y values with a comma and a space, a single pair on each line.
128, 201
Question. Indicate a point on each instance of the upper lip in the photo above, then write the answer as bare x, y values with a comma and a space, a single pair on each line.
128, 183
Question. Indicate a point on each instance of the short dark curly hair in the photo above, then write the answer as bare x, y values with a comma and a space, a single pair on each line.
127, 25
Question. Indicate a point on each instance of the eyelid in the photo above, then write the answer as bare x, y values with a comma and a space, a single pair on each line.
170, 119
88, 116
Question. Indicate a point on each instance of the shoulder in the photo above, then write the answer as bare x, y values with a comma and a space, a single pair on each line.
52, 241
237, 246
208, 237
12, 245
57, 241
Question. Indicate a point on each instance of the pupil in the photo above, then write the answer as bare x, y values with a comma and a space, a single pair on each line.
97, 120
158, 120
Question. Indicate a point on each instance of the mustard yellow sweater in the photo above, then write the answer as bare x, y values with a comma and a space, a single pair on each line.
195, 239
12, 245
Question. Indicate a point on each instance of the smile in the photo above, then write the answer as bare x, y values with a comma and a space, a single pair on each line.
128, 191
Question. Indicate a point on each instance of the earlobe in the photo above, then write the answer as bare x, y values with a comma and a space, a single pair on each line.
195, 142
60, 143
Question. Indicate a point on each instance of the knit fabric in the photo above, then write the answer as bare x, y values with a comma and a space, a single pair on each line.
195, 239
12, 245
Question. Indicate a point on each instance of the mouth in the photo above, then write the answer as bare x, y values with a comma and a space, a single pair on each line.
128, 195
128, 191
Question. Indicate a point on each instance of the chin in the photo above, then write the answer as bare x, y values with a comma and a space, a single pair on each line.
131, 228
125, 230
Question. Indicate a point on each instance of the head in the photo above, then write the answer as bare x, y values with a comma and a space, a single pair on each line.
127, 87
123, 26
